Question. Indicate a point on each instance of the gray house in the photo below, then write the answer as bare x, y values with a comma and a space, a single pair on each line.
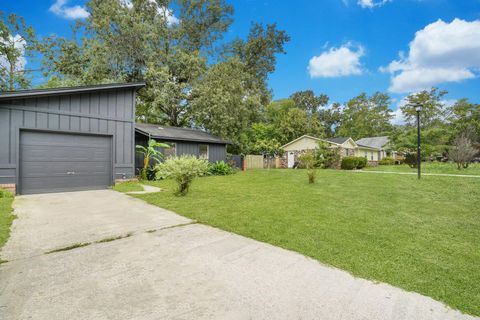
67, 139
182, 141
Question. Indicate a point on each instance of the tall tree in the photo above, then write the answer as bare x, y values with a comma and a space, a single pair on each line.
16, 41
142, 40
223, 105
465, 116
434, 111
307, 101
258, 53
365, 116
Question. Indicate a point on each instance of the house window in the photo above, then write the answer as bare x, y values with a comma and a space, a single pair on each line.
366, 154
203, 151
371, 155
170, 152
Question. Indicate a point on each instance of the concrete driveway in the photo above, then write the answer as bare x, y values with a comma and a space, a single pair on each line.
169, 269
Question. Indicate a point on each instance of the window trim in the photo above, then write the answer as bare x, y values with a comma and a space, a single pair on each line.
208, 151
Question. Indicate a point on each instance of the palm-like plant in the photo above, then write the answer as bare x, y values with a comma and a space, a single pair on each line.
150, 152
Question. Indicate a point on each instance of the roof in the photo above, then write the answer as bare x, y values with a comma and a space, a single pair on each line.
157, 131
373, 142
46, 92
304, 136
339, 140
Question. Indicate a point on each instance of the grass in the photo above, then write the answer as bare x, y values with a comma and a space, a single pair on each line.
431, 167
422, 235
129, 186
6, 216
70, 247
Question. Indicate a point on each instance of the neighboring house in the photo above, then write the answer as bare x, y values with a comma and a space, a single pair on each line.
374, 148
182, 141
67, 139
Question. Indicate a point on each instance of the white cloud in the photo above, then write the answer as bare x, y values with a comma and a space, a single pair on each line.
19, 43
371, 3
337, 62
398, 118
75, 12
171, 19
441, 52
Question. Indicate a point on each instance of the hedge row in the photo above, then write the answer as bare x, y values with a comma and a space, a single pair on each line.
350, 163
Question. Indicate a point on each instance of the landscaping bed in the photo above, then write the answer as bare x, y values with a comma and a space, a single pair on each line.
418, 235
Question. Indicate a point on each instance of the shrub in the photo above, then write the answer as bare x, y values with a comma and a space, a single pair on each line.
386, 161
150, 152
411, 159
350, 163
307, 161
183, 170
327, 157
220, 168
5, 194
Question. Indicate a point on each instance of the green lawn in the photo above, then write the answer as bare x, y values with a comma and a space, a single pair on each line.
129, 186
422, 235
6, 218
431, 167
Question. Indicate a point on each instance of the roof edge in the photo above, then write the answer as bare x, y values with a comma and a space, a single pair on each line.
63, 90
220, 141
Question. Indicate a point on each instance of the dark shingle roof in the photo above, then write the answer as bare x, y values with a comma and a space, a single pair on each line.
63, 90
157, 131
373, 142
338, 140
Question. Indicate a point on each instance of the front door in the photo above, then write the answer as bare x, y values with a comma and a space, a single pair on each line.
291, 159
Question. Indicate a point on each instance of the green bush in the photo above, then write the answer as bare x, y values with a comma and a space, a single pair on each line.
386, 161
411, 159
5, 194
308, 161
220, 168
350, 163
183, 170
326, 156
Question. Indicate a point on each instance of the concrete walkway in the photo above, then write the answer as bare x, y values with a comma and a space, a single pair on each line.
179, 271
146, 189
423, 174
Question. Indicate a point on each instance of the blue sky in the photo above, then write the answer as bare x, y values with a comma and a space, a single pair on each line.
342, 47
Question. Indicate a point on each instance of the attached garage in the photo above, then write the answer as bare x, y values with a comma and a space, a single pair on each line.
54, 162
67, 139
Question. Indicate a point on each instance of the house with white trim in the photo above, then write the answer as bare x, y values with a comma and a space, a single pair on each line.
372, 148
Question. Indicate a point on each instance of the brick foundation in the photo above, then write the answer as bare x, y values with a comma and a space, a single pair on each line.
12, 187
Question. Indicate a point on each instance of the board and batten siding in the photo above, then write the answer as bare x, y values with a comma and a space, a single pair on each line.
216, 151
98, 112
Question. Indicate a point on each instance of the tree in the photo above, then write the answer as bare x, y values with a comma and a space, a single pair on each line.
462, 152
465, 116
16, 41
222, 105
150, 152
434, 111
174, 53
306, 100
365, 116
258, 53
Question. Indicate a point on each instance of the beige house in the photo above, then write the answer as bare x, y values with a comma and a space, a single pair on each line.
372, 148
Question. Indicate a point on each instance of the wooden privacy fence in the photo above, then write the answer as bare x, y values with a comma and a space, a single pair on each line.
261, 162
253, 162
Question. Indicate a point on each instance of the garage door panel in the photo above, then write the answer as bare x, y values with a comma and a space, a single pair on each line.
59, 183
63, 153
45, 169
51, 162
